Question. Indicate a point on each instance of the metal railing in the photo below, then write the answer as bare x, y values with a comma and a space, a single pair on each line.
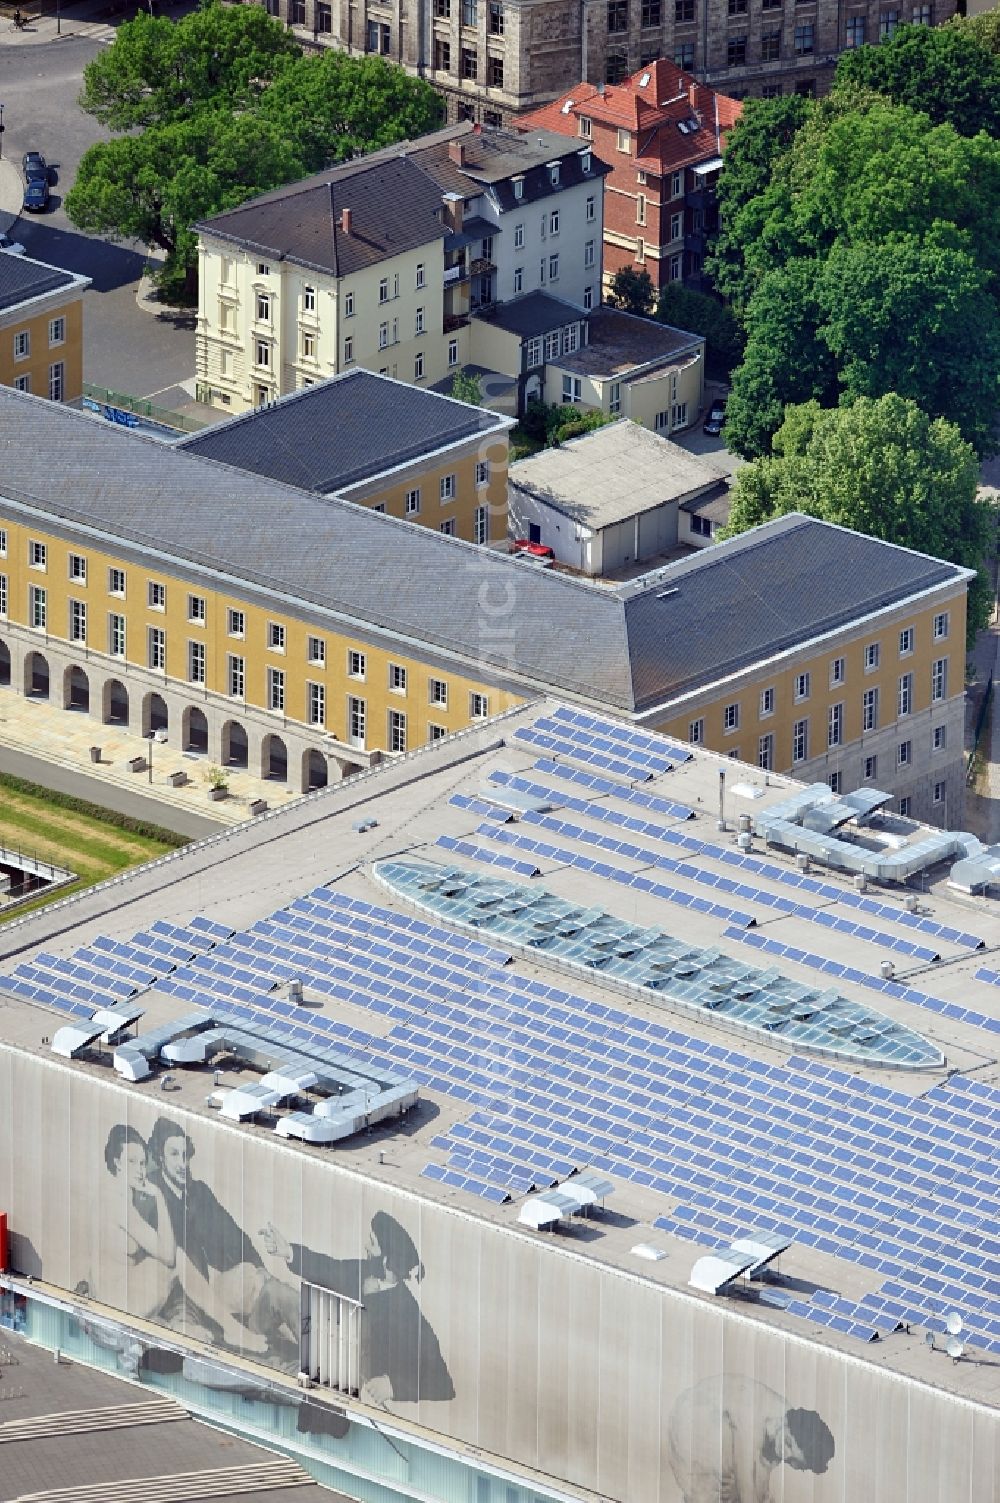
120, 401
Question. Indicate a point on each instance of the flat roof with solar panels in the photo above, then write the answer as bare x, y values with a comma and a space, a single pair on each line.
600, 1007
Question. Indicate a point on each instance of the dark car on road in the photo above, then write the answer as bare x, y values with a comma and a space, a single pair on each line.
36, 195
34, 167
716, 418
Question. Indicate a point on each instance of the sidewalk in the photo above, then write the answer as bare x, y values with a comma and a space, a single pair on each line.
63, 738
89, 16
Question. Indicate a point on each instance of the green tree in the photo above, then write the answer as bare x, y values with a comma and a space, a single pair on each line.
786, 361
153, 186
157, 69
943, 71
467, 388
882, 170
914, 317
221, 106
684, 308
756, 146
632, 290
879, 466
336, 107
985, 28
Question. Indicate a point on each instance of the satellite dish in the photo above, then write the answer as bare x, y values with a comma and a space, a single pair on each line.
953, 1322
954, 1348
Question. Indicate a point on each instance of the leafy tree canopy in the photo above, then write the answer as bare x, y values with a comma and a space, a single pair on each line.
157, 69
913, 316
153, 186
754, 148
984, 27
336, 107
467, 388
946, 72
222, 105
879, 466
785, 359
632, 290
684, 308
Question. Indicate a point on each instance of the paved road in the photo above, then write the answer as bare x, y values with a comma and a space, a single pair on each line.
124, 347
99, 791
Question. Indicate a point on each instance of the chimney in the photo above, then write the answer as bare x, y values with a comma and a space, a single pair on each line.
456, 152
345, 221
691, 90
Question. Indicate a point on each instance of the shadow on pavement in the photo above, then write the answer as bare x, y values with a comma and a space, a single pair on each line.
108, 266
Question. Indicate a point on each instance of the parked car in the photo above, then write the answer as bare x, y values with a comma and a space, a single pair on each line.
713, 423
36, 195
13, 247
34, 167
533, 550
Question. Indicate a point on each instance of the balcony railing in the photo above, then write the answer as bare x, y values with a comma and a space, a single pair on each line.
453, 274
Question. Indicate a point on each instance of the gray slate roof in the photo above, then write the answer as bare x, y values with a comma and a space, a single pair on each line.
342, 431
22, 278
533, 313
628, 648
394, 208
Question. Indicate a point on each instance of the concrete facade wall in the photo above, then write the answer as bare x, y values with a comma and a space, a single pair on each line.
513, 1343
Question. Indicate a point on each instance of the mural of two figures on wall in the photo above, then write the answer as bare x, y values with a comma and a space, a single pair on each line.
192, 1267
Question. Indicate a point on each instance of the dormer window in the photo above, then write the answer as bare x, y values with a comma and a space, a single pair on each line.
585, 160
519, 187
554, 174
586, 127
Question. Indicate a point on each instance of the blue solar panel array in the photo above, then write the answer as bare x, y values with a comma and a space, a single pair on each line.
951, 1010
755, 865
642, 745
483, 853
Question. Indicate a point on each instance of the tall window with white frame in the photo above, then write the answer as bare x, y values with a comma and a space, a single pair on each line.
157, 648
276, 690
78, 621
236, 676
696, 731
939, 680
397, 731
38, 610
481, 525
869, 710
800, 740
316, 704
116, 635
3, 595
196, 663
356, 718
765, 752
835, 725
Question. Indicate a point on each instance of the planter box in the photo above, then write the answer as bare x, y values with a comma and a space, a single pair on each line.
215, 794
178, 779
258, 806
137, 764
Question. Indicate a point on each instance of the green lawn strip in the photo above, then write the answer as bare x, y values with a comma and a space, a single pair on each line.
36, 833
18, 806
109, 817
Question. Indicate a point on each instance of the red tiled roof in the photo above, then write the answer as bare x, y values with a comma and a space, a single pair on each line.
651, 104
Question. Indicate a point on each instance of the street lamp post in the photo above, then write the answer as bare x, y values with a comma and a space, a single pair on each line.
1, 129
149, 762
